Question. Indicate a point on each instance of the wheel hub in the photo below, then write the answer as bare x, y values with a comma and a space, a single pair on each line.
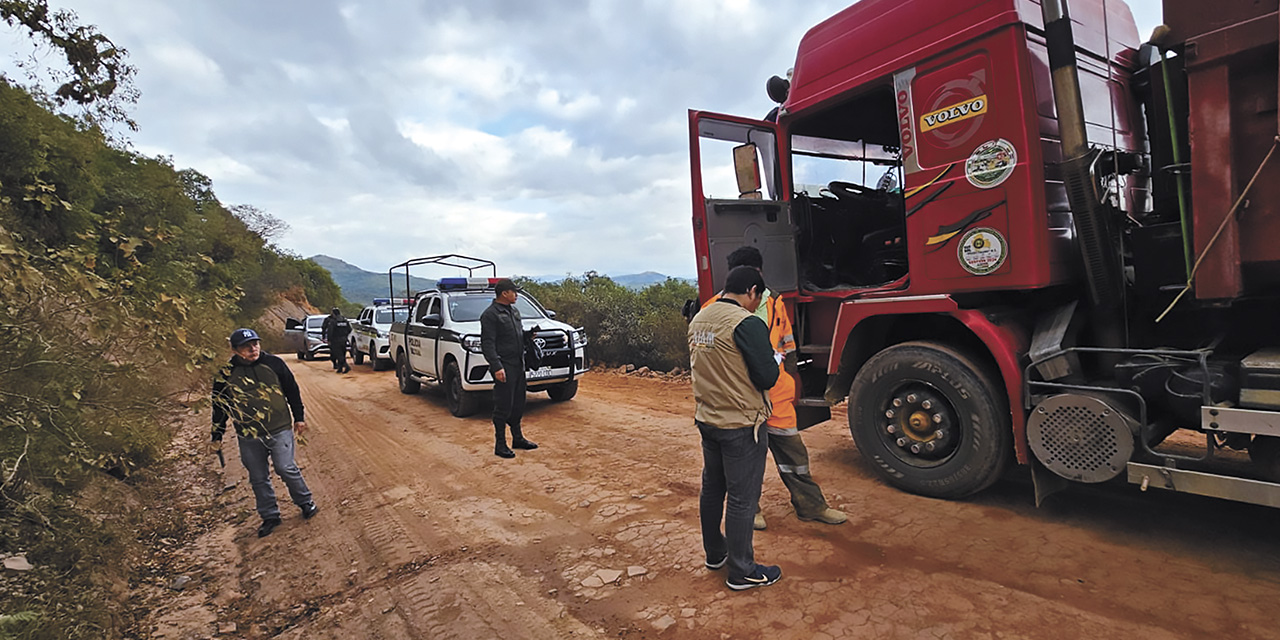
920, 424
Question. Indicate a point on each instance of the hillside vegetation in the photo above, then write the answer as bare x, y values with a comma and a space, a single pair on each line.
625, 326
122, 276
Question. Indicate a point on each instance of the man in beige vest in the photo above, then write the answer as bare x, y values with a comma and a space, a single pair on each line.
733, 366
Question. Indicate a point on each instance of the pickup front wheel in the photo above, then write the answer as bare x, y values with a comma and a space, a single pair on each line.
461, 403
562, 392
379, 364
408, 385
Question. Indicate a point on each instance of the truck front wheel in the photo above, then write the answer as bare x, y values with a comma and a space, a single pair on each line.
408, 385
461, 403
930, 420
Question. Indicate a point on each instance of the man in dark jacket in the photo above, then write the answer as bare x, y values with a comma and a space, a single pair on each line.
502, 341
257, 392
335, 330
733, 367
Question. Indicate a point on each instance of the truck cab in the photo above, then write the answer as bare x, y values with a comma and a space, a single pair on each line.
439, 341
999, 242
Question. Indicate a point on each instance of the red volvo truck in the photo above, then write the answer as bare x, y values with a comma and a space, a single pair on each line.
1011, 232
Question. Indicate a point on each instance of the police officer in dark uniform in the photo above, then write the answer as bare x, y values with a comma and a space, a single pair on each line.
335, 330
502, 341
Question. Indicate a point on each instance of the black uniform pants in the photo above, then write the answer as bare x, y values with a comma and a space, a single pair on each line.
338, 355
508, 403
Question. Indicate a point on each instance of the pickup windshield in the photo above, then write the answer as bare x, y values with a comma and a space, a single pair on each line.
469, 308
384, 316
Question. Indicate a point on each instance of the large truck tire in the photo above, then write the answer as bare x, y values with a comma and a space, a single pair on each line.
461, 403
356, 356
408, 386
929, 420
562, 392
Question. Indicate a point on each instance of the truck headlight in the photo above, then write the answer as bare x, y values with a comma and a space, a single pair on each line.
471, 343
579, 338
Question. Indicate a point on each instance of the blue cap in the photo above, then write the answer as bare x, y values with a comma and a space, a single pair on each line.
241, 336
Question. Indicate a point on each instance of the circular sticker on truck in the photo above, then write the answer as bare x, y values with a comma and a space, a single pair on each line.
991, 163
982, 251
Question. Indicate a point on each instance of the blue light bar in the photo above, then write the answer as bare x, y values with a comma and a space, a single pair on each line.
381, 301
461, 284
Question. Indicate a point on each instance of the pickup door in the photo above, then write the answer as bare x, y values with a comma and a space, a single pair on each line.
423, 337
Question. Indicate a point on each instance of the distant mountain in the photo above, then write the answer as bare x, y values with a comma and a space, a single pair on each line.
360, 286
640, 280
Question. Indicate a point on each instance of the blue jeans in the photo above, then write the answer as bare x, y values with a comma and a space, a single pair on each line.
279, 448
732, 466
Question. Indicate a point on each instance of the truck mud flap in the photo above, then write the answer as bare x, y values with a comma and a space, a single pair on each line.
1045, 481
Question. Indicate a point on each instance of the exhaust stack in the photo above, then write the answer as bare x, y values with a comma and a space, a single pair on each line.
1094, 236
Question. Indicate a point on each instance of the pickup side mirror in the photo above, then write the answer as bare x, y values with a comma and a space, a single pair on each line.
551, 314
432, 320
292, 324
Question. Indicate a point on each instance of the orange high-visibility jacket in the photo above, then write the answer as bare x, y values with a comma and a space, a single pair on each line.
783, 395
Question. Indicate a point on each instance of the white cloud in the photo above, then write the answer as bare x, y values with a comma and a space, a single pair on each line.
551, 136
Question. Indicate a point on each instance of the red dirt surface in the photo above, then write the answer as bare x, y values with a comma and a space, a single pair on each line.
424, 533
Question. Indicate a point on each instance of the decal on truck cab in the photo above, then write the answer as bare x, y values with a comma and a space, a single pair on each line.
970, 108
902, 90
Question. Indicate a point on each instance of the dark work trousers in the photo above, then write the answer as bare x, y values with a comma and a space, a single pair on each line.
732, 467
338, 355
508, 404
792, 458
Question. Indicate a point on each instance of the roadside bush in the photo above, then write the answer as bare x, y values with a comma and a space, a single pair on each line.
625, 326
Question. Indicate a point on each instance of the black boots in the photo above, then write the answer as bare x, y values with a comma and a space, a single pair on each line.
500, 447
518, 440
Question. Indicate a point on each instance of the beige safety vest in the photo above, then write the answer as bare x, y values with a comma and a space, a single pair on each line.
722, 387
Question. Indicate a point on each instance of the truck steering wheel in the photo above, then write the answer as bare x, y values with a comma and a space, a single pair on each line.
855, 192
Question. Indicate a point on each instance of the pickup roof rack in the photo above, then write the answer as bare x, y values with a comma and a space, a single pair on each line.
447, 260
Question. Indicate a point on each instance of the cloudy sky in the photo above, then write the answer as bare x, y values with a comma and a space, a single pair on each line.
547, 135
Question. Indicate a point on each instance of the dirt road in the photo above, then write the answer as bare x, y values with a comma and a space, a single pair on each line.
424, 533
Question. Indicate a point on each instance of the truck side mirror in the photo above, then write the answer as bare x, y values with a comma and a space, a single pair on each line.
746, 165
551, 314
432, 320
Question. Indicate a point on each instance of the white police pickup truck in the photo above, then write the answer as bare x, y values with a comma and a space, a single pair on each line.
440, 342
369, 332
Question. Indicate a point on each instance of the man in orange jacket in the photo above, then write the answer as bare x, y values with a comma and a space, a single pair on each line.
789, 452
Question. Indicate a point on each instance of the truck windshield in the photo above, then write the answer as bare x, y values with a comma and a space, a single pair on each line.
816, 162
384, 316
468, 308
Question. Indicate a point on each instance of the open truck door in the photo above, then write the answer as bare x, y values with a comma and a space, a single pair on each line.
739, 186
738, 199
